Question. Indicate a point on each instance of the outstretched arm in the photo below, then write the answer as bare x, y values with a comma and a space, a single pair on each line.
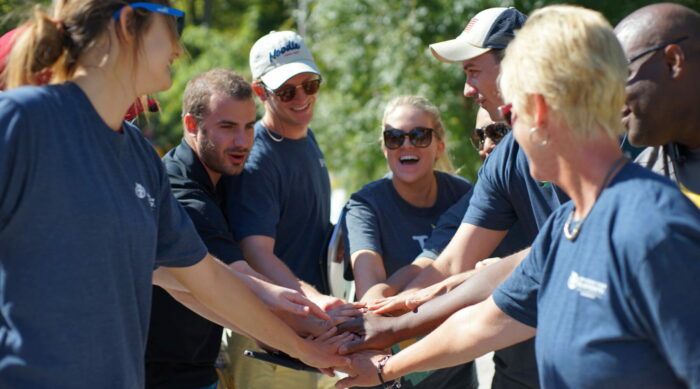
211, 283
465, 336
378, 332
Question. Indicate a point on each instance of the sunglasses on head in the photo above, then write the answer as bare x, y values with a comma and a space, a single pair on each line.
418, 136
493, 131
287, 92
161, 9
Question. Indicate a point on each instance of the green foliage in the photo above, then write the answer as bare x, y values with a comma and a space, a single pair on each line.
15, 12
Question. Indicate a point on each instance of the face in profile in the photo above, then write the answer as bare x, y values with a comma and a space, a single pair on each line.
159, 49
411, 145
480, 84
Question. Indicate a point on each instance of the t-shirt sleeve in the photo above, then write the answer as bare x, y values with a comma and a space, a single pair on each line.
179, 245
491, 205
256, 202
15, 146
361, 226
446, 228
209, 220
667, 309
517, 295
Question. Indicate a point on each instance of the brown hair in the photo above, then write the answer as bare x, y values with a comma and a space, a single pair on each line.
56, 45
195, 99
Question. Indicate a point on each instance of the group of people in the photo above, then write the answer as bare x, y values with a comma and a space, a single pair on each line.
121, 270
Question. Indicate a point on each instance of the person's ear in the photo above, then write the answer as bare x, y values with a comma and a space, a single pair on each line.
675, 60
541, 110
190, 124
122, 24
259, 90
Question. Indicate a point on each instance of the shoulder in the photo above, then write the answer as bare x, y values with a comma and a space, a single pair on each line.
650, 205
373, 193
453, 180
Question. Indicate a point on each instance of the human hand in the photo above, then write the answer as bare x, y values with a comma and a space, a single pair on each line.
326, 302
373, 332
281, 299
403, 303
345, 312
362, 371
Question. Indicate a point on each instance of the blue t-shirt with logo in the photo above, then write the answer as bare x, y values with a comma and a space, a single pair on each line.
284, 193
86, 214
378, 219
449, 223
616, 307
506, 194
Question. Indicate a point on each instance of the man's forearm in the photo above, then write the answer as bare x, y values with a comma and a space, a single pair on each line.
476, 289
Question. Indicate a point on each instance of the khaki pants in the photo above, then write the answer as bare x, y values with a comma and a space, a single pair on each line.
242, 372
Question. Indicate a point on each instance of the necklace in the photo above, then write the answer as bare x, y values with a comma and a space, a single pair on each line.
571, 235
269, 133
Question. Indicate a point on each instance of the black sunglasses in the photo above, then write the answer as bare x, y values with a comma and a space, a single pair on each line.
419, 137
287, 92
493, 131
161, 9
655, 48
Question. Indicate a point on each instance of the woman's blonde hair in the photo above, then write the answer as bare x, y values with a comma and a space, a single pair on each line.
56, 44
424, 105
571, 57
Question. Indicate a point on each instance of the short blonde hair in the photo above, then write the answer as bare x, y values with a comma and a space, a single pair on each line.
424, 105
571, 57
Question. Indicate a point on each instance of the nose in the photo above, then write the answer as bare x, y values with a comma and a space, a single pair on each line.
469, 90
177, 50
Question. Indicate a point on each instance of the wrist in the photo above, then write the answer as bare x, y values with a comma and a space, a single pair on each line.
384, 374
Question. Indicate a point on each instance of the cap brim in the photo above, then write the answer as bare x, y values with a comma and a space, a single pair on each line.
456, 50
278, 76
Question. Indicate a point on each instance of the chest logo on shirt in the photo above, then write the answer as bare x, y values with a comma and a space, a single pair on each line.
10, 338
141, 193
421, 240
586, 287
322, 162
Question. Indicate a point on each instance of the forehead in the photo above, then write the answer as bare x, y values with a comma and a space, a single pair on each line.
408, 116
224, 106
486, 60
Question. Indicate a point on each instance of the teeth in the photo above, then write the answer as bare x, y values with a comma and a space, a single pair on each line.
301, 108
408, 158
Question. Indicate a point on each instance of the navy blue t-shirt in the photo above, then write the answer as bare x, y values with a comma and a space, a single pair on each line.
284, 193
505, 194
616, 307
449, 223
378, 219
86, 214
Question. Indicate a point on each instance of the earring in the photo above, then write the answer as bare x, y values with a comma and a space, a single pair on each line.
538, 142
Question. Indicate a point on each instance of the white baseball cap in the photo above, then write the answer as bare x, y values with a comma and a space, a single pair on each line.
279, 56
491, 28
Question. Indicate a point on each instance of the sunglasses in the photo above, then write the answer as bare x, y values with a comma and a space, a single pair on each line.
419, 137
493, 131
655, 48
161, 9
287, 92
506, 112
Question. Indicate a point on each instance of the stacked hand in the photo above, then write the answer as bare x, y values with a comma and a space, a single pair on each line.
405, 302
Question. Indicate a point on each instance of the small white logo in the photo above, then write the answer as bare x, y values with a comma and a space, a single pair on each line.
586, 287
322, 162
421, 240
141, 193
10, 338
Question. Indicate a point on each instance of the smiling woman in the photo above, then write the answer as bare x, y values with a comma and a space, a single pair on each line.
389, 220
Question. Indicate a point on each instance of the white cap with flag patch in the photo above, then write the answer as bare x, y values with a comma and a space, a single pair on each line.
491, 28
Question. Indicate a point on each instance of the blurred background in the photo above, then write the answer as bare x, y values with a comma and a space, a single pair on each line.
368, 51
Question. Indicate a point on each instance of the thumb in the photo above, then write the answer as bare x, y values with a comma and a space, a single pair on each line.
309, 306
